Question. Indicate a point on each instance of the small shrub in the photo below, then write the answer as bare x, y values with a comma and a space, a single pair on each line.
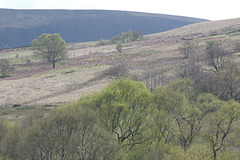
116, 72
119, 47
28, 61
5, 68
102, 42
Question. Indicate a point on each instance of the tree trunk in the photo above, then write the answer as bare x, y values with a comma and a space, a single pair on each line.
62, 156
53, 63
214, 154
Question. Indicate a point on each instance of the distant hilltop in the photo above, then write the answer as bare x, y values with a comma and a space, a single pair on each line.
19, 27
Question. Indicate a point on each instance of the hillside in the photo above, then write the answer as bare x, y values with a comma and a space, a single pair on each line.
88, 66
20, 27
204, 29
171, 106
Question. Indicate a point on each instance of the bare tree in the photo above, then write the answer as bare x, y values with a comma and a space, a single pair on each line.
225, 84
216, 56
188, 49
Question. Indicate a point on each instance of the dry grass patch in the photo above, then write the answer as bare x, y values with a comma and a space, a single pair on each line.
202, 29
38, 88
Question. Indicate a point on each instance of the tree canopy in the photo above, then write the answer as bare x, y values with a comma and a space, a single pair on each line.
123, 108
50, 47
126, 121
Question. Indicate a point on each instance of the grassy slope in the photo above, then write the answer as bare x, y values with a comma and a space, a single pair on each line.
203, 29
37, 84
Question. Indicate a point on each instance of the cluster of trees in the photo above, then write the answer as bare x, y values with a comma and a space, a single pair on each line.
124, 37
119, 39
126, 121
127, 37
196, 117
212, 69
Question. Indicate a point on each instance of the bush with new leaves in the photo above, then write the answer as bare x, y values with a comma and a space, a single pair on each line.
5, 68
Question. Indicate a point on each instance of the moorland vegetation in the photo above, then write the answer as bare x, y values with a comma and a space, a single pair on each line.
195, 116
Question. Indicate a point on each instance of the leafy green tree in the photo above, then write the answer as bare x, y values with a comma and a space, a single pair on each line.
51, 47
123, 108
176, 115
68, 133
220, 124
166, 104
9, 140
164, 127
191, 120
